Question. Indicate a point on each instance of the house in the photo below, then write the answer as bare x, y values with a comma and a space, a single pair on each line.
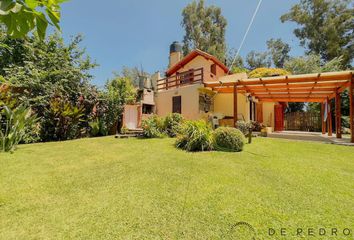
199, 86
185, 90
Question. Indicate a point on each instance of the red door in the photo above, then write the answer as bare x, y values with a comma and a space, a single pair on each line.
279, 117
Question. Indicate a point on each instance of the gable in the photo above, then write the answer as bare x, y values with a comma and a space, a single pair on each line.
192, 56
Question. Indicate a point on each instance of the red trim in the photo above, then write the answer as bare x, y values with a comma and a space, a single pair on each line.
190, 57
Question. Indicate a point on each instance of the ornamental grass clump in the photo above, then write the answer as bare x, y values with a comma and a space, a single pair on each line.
173, 124
153, 127
195, 136
228, 139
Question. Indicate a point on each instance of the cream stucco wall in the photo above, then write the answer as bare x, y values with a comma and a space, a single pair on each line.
201, 62
268, 114
223, 104
189, 101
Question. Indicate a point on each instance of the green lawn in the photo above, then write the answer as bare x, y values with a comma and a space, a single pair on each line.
105, 188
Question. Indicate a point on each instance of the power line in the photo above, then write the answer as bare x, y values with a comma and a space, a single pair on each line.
245, 35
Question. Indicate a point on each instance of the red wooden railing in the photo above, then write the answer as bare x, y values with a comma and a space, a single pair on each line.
181, 79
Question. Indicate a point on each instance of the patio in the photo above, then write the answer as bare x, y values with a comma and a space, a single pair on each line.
318, 87
312, 136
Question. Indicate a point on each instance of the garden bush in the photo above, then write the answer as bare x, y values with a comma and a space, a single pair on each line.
98, 128
228, 139
153, 127
195, 136
244, 127
257, 126
173, 124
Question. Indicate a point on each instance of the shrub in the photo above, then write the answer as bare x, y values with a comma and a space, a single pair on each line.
62, 120
98, 128
244, 127
195, 136
257, 126
267, 72
173, 124
228, 139
13, 126
153, 127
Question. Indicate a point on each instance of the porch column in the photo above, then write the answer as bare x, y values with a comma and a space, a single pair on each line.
329, 118
323, 124
235, 105
338, 116
351, 103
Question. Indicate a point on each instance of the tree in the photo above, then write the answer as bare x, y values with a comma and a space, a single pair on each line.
258, 60
41, 71
118, 92
204, 29
314, 64
23, 16
325, 28
238, 64
279, 51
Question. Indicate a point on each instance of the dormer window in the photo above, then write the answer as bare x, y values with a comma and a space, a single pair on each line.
213, 69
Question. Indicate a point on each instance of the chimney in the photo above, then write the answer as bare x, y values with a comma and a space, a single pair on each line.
175, 53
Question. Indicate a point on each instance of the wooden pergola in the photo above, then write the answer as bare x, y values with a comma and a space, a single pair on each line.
321, 88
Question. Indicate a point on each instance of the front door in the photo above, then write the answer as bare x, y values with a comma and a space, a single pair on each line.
177, 104
279, 117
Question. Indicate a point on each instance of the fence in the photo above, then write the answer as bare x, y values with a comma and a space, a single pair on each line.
303, 121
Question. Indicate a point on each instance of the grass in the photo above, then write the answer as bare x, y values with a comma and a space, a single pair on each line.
105, 188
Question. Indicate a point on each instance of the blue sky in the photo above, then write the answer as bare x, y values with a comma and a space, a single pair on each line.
138, 32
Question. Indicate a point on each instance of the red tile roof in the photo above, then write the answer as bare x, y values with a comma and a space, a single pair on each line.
190, 57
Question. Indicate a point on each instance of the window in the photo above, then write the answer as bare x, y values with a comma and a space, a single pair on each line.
147, 109
252, 111
177, 104
206, 103
213, 69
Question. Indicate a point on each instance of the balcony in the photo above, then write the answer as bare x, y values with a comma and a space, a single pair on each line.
181, 79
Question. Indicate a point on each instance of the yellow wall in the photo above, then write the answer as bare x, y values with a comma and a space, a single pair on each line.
223, 104
268, 114
189, 101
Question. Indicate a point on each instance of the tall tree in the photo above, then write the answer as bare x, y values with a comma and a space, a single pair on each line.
238, 63
325, 27
23, 16
47, 70
314, 64
204, 29
258, 60
279, 51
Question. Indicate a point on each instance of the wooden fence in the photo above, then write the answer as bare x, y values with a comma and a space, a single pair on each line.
303, 121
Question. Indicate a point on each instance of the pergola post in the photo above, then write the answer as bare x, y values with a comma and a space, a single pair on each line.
235, 104
338, 116
351, 103
329, 118
323, 123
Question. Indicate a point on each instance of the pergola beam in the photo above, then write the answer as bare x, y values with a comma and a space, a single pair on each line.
300, 95
291, 99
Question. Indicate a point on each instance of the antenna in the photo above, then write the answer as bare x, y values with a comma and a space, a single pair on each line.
245, 35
